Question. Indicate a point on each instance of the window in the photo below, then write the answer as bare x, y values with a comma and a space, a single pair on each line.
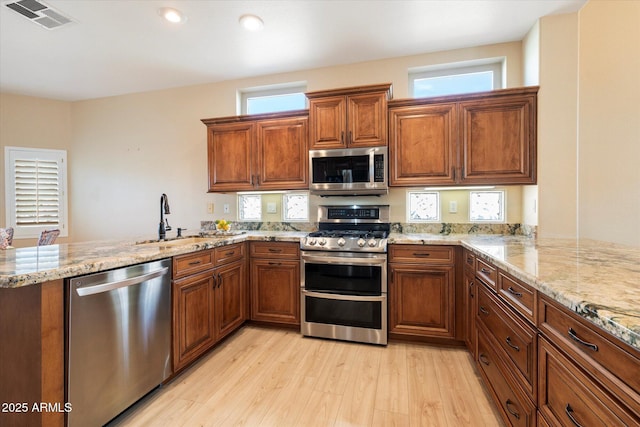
456, 78
486, 206
36, 190
423, 206
249, 207
295, 207
272, 99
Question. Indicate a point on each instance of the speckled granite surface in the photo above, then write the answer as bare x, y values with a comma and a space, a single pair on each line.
598, 280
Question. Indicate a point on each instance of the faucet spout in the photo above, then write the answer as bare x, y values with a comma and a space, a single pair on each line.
164, 209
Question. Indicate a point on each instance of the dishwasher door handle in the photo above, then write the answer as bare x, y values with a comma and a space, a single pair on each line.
109, 286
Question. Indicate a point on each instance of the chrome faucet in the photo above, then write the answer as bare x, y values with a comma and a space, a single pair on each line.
164, 223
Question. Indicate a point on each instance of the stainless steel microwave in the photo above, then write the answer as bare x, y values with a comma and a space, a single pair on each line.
348, 171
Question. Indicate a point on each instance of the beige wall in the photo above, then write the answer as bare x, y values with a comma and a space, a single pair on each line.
609, 122
36, 123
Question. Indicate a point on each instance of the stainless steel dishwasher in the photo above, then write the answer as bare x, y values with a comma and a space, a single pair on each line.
118, 341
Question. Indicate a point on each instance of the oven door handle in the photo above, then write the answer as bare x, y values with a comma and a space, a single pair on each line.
358, 298
310, 259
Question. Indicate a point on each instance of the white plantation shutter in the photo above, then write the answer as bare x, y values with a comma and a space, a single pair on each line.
36, 190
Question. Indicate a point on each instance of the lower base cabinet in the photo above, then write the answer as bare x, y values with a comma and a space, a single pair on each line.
275, 282
207, 305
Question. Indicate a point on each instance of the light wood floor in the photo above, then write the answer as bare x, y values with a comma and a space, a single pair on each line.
270, 377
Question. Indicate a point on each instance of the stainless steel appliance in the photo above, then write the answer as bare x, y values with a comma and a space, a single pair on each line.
118, 341
344, 275
346, 172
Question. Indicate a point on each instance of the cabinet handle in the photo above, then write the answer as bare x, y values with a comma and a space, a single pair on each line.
469, 260
512, 345
483, 311
219, 280
471, 289
569, 411
453, 171
514, 292
215, 280
195, 262
421, 254
350, 140
485, 270
274, 263
342, 137
572, 334
484, 358
275, 250
513, 412
230, 253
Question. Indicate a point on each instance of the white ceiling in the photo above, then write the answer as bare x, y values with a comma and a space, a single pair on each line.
123, 46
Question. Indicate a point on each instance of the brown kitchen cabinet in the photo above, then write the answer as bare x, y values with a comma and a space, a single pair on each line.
260, 152
208, 304
421, 291
481, 138
275, 282
349, 118
422, 145
469, 301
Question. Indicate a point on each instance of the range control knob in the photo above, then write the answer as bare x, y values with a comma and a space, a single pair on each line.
341, 241
311, 241
322, 242
372, 243
361, 242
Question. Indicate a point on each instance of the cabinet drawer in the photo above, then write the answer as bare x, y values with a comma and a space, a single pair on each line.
515, 406
516, 339
229, 253
288, 250
568, 397
185, 265
486, 272
422, 254
522, 297
469, 260
616, 366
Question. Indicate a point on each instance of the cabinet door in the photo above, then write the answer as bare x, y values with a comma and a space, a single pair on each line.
193, 325
422, 145
367, 120
469, 312
275, 291
230, 156
230, 298
327, 119
421, 301
498, 137
282, 153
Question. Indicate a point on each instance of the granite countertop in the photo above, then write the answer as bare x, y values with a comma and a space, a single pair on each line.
600, 281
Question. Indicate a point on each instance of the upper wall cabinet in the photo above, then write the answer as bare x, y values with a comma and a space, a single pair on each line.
482, 138
261, 152
349, 118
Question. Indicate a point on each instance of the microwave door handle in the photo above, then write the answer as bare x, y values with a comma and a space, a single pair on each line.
372, 166
341, 297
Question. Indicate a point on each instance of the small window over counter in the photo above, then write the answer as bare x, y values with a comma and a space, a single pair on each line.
487, 206
249, 207
423, 206
295, 207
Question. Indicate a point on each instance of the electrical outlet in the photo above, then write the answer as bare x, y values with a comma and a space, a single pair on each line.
271, 207
210, 208
453, 206
226, 208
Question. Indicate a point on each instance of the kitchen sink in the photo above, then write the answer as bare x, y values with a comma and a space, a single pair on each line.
176, 242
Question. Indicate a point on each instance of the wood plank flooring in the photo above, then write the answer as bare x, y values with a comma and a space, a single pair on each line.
270, 377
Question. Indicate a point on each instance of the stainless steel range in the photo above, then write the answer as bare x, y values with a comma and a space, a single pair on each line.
344, 274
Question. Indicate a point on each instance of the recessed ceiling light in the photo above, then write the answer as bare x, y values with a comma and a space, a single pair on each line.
251, 22
172, 15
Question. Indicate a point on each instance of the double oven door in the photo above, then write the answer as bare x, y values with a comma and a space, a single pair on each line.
344, 296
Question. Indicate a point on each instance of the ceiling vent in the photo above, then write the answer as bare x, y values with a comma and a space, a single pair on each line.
40, 13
